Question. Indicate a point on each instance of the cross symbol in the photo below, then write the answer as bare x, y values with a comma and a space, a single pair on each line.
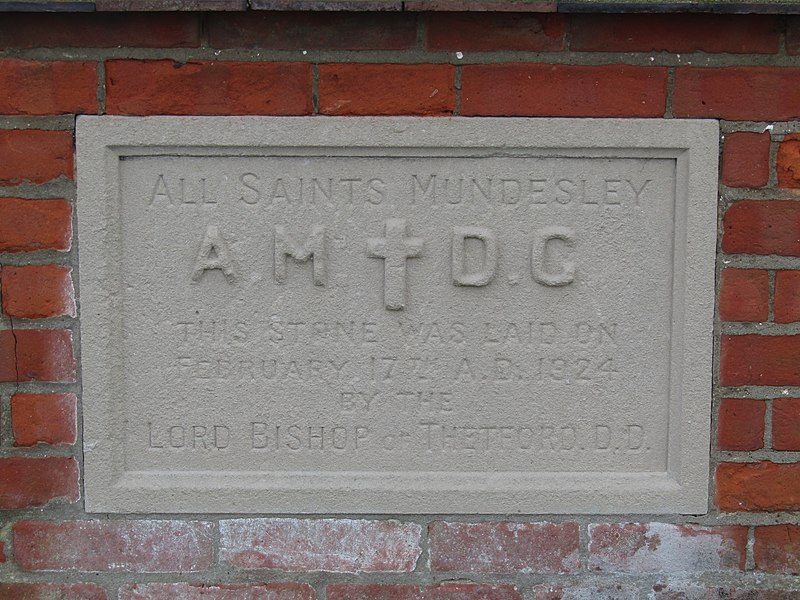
395, 248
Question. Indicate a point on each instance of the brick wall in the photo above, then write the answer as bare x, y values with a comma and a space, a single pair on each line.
743, 70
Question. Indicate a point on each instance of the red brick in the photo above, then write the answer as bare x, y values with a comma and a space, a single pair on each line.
313, 30
35, 156
744, 34
444, 591
504, 547
741, 424
595, 591
744, 295
480, 32
336, 545
563, 90
47, 87
361, 89
762, 227
30, 225
51, 591
98, 30
36, 355
777, 549
217, 591
788, 163
43, 418
37, 291
2, 552
745, 159
760, 486
760, 360
793, 35
148, 87
36, 481
127, 546
786, 424
737, 93
787, 296
664, 548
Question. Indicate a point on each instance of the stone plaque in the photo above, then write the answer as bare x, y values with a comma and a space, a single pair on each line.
323, 315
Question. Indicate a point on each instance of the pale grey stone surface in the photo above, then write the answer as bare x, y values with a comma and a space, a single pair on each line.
396, 315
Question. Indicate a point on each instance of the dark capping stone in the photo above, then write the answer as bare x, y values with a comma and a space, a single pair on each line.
324, 5
482, 5
76, 6
643, 6
167, 5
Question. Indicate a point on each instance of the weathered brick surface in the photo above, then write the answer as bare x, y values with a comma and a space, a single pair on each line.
787, 296
786, 424
47, 87
762, 227
777, 549
313, 31
677, 590
745, 159
30, 225
151, 87
750, 34
744, 295
31, 482
336, 545
97, 30
741, 424
362, 89
216, 591
521, 89
37, 291
760, 360
477, 32
589, 590
43, 418
445, 591
737, 93
759, 486
664, 548
35, 156
504, 547
52, 591
127, 546
36, 355
788, 162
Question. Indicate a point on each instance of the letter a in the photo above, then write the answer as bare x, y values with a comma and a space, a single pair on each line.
214, 254
486, 274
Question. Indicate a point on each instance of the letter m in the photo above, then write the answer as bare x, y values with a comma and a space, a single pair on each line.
313, 248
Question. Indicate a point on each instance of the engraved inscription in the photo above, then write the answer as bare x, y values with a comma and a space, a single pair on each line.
213, 255
394, 249
313, 248
488, 265
395, 315
539, 256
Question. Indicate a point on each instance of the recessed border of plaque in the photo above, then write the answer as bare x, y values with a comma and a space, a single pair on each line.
103, 143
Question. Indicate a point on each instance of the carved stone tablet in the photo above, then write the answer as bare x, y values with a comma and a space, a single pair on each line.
396, 315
